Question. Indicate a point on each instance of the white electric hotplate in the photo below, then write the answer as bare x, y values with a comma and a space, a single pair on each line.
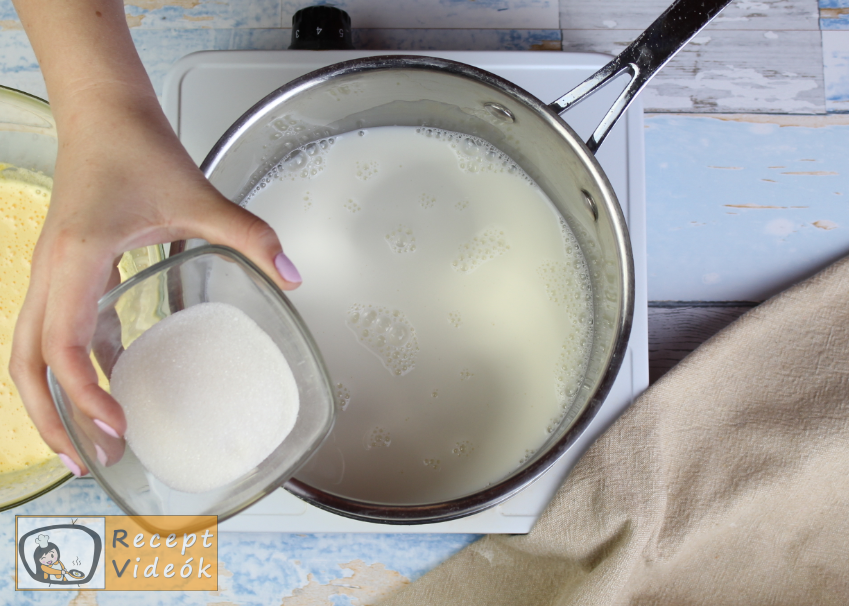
206, 92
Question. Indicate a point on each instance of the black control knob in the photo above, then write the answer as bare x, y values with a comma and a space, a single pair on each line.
321, 28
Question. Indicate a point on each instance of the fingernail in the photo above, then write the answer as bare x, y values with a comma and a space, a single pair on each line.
101, 456
287, 269
69, 463
108, 430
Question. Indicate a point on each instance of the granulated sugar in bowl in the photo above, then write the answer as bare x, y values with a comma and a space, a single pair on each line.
224, 390
181, 420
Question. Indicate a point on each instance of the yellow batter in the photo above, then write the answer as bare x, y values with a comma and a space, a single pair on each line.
24, 198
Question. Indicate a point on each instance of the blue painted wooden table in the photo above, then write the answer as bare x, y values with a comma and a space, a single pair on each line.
747, 192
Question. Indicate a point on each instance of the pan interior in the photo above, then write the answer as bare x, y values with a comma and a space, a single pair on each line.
452, 98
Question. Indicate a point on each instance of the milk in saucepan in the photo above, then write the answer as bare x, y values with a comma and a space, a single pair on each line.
449, 299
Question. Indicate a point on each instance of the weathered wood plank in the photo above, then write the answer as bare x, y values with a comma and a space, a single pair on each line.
456, 39
8, 16
187, 14
835, 52
834, 14
18, 66
365, 14
674, 332
727, 71
762, 15
445, 14
739, 209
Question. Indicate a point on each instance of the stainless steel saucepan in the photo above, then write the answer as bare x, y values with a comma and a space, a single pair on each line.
430, 92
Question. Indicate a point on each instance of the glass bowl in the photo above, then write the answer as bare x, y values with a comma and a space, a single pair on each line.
28, 148
28, 141
206, 274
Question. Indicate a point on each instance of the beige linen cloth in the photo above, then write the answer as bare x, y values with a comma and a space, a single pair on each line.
727, 482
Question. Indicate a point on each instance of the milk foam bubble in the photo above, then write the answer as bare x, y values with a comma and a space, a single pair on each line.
387, 334
485, 246
401, 240
366, 170
434, 464
463, 448
427, 201
343, 396
378, 438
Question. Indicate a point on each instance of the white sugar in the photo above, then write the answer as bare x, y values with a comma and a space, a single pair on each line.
207, 395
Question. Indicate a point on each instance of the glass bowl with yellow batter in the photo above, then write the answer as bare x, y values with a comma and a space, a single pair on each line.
28, 146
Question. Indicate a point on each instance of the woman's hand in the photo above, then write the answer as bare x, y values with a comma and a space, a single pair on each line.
122, 181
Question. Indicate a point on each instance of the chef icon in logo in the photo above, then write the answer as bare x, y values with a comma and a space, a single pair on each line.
41, 554
49, 565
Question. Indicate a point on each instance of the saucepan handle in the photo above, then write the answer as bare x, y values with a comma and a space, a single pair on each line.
642, 59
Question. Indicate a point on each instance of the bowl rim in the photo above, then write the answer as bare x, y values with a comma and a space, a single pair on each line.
39, 493
9, 89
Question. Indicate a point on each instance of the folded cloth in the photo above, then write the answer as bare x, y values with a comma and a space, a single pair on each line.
727, 482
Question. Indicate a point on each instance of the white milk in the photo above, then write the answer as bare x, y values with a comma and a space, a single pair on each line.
450, 301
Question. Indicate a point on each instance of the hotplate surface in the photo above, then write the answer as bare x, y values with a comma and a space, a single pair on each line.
206, 92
